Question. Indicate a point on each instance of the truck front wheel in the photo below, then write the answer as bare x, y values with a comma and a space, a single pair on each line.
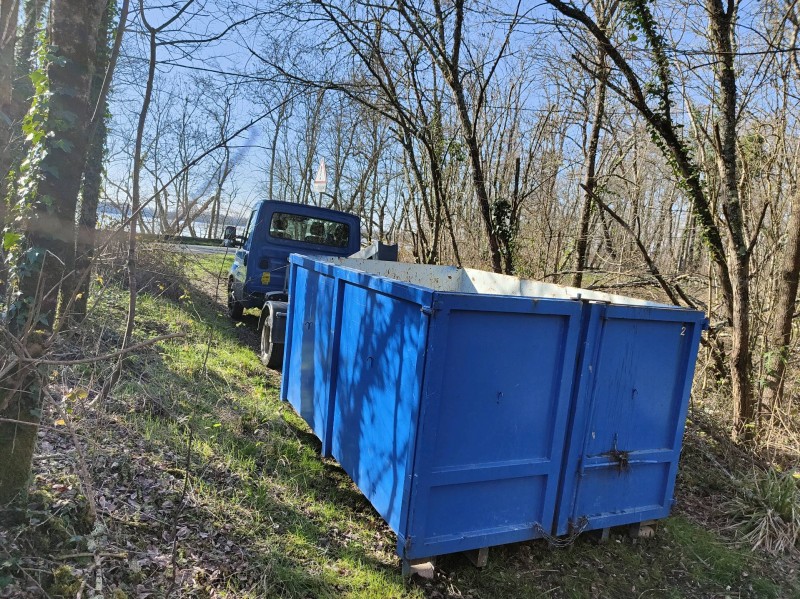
271, 353
235, 309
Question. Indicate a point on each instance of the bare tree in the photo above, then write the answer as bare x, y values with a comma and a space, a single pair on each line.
731, 257
605, 14
780, 333
441, 34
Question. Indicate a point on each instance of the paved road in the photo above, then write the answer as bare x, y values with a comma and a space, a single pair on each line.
206, 249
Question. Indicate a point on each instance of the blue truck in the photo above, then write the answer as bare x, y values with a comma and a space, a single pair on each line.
257, 278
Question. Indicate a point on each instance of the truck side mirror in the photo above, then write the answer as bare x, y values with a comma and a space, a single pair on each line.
229, 237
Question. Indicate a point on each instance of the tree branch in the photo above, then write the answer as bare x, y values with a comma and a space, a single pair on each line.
651, 265
115, 354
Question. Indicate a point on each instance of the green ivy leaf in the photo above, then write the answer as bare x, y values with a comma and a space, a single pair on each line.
10, 239
52, 169
37, 77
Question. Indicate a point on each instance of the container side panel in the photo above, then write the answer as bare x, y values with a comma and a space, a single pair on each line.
500, 392
381, 357
496, 505
308, 365
490, 457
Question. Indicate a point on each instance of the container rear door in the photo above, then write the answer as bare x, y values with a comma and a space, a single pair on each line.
629, 414
495, 403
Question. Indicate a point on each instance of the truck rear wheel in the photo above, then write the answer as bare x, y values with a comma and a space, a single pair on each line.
271, 353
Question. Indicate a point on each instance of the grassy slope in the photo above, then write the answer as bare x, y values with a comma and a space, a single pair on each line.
262, 515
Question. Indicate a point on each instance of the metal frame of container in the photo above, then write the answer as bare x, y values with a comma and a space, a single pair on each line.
475, 409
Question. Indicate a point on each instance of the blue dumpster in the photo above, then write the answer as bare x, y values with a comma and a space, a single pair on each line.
475, 409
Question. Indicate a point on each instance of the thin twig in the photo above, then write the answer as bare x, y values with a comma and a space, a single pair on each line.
89, 554
651, 265
115, 354
178, 509
34, 424
98, 573
98, 112
27, 574
8, 367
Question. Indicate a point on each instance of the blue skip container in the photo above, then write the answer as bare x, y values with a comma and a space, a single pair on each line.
474, 409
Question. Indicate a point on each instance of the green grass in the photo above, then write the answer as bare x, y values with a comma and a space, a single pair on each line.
285, 498
210, 264
713, 562
256, 472
681, 561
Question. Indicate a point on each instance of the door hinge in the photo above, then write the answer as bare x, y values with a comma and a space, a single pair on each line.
432, 309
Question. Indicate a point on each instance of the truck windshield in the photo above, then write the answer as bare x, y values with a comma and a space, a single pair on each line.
309, 229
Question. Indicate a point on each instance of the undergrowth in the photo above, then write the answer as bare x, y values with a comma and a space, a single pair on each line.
766, 510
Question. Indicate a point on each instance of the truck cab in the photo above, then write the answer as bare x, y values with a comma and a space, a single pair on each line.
257, 278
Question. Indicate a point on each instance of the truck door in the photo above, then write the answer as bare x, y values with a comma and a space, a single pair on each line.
239, 267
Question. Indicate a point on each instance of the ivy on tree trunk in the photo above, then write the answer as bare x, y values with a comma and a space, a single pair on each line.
45, 253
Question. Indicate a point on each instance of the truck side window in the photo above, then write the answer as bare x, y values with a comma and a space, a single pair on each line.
309, 229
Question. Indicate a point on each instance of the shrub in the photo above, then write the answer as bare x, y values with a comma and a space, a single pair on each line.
160, 268
766, 510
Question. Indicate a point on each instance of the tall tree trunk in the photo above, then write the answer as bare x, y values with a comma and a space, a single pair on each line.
476, 165
273, 151
780, 336
721, 29
49, 228
785, 294
9, 11
152, 34
13, 473
87, 223
590, 178
136, 192
23, 87
93, 173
